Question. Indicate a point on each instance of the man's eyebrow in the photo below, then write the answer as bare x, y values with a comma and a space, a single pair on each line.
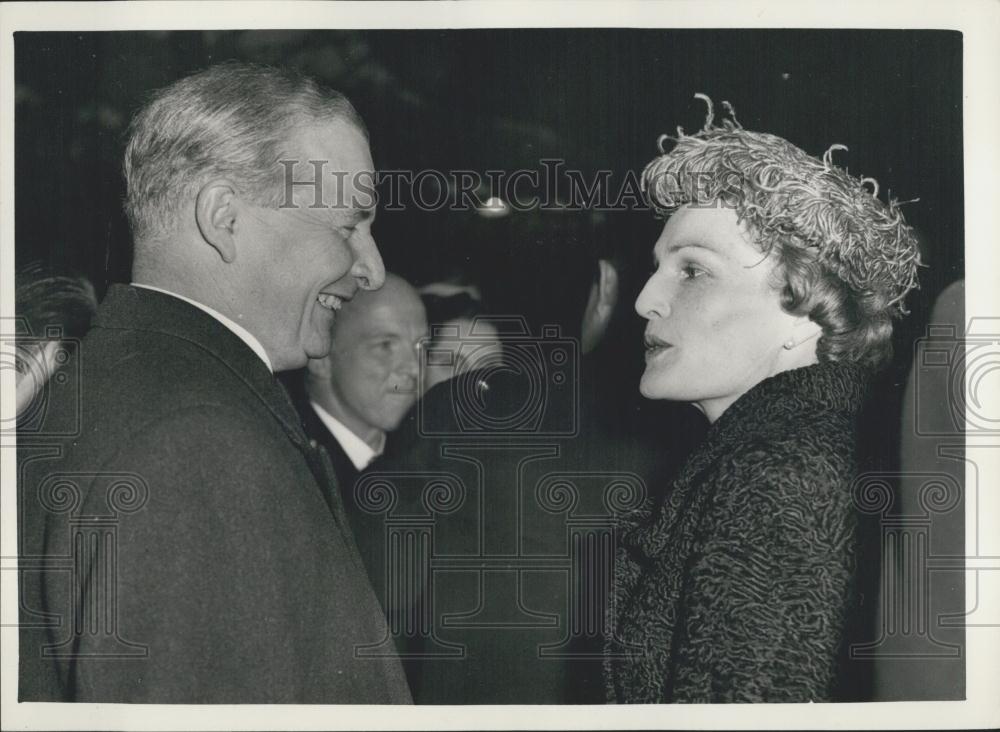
354, 216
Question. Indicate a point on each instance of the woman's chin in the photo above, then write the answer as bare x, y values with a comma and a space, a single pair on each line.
656, 384
650, 388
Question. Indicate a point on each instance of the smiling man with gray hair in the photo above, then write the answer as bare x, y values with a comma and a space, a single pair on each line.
226, 573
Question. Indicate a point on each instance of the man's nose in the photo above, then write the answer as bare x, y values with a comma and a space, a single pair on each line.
368, 269
652, 301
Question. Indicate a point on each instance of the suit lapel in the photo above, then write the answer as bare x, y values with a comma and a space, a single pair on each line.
334, 459
135, 308
347, 474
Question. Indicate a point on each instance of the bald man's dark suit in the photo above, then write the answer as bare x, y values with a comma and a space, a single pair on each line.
237, 580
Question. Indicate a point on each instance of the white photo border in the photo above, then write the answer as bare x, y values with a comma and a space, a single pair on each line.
977, 20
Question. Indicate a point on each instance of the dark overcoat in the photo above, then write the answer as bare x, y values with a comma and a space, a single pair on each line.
519, 517
737, 587
177, 543
343, 469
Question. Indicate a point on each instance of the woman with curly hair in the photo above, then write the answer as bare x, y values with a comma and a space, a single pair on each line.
777, 277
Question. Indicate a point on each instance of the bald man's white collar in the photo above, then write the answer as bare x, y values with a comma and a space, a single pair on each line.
360, 452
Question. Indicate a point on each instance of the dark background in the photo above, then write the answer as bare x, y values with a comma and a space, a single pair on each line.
479, 99
505, 99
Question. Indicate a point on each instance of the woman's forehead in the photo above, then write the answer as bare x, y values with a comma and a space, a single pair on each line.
718, 229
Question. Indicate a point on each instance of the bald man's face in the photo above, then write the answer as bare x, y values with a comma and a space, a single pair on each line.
374, 363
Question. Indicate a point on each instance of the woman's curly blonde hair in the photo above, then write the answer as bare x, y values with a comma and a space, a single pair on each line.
847, 259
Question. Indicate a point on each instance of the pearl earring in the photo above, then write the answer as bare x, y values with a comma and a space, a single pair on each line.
789, 344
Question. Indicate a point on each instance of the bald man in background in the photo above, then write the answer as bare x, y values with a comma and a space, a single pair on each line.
368, 382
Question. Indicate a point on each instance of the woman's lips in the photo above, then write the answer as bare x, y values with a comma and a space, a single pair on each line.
655, 346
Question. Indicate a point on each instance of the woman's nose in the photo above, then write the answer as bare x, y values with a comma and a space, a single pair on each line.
652, 301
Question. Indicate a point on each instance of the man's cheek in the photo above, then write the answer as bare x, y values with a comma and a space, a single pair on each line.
381, 369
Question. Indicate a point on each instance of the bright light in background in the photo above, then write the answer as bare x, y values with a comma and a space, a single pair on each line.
493, 208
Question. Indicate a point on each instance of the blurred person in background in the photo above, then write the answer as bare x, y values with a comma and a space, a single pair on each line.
56, 310
917, 615
361, 391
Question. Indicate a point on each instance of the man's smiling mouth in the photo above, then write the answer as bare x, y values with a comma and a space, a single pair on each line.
333, 301
330, 302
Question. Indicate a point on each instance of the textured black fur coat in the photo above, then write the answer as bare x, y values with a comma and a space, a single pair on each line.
737, 587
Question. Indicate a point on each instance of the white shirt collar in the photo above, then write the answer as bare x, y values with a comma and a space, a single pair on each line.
359, 451
244, 335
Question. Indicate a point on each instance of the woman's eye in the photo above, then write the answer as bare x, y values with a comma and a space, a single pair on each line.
690, 272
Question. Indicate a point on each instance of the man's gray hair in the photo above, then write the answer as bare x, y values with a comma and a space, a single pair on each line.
233, 120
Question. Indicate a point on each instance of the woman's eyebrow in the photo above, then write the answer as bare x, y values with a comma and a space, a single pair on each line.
685, 244
693, 245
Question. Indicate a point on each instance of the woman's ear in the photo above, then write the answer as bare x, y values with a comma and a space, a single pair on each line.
803, 330
215, 211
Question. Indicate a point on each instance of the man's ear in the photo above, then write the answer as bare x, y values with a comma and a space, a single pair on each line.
215, 210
